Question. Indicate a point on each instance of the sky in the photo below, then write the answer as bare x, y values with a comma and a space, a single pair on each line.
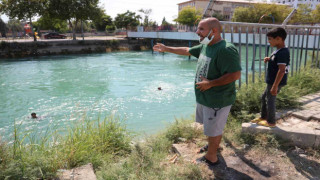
160, 8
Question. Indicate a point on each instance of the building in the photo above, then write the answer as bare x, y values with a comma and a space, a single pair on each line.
296, 3
222, 7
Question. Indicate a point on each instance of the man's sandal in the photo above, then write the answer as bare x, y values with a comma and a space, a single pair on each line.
204, 160
256, 120
266, 124
203, 149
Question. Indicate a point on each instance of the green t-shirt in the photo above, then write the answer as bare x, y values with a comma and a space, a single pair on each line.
213, 62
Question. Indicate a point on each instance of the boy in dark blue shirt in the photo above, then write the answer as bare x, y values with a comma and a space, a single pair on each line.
277, 74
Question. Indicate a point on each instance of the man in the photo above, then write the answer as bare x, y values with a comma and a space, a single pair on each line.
217, 70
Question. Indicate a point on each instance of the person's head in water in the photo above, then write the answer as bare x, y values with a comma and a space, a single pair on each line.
159, 88
34, 115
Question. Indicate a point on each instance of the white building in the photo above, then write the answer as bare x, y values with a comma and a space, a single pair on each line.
296, 3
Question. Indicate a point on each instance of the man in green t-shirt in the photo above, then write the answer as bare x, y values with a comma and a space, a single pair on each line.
217, 70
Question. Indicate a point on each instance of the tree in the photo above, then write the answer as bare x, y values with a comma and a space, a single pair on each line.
164, 22
261, 13
146, 13
126, 20
15, 26
165, 26
50, 23
73, 10
189, 16
316, 14
3, 28
218, 15
303, 15
103, 20
23, 9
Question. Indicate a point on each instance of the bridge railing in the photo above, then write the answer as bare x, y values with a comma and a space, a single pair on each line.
253, 46
252, 43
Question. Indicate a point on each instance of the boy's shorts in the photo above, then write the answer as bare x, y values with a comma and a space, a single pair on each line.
213, 119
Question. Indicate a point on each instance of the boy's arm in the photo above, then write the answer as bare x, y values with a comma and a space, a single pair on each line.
176, 50
280, 74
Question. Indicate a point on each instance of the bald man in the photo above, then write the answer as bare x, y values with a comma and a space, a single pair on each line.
217, 70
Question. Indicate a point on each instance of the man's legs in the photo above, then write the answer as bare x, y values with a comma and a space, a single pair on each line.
214, 143
214, 121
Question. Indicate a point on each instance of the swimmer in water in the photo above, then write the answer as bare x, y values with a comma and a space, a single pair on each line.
159, 88
34, 115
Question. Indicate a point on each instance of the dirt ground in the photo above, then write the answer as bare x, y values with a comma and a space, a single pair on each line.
247, 162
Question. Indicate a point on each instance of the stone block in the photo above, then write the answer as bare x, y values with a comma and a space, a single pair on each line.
303, 136
80, 173
316, 117
305, 114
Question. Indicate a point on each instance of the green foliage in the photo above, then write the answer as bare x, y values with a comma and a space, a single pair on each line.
148, 160
218, 15
316, 14
181, 129
88, 141
103, 20
262, 13
189, 16
3, 27
73, 10
50, 23
110, 28
164, 22
126, 20
23, 10
303, 15
15, 25
146, 12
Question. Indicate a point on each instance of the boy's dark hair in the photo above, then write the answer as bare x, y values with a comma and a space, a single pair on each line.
278, 32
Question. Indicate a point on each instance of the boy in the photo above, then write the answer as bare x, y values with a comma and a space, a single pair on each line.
277, 72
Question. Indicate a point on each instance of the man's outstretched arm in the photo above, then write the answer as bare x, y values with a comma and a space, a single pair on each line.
176, 50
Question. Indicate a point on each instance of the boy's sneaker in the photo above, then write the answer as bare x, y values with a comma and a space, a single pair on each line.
266, 124
256, 120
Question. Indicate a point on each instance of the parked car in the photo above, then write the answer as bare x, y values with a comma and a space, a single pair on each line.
54, 35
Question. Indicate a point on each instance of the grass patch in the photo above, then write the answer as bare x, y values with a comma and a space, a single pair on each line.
88, 141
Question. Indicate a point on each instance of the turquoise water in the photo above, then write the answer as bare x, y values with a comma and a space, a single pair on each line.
60, 89
63, 89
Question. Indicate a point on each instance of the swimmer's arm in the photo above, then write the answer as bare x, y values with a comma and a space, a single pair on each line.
176, 50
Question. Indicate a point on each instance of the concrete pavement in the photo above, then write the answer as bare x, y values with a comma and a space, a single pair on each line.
300, 127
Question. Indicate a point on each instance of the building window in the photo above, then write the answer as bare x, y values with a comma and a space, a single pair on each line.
227, 9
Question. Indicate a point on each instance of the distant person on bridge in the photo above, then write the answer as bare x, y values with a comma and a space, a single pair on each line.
217, 70
278, 67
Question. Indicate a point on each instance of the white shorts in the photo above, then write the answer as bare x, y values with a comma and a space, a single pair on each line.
213, 119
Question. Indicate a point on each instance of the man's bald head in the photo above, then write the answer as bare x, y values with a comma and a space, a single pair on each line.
212, 23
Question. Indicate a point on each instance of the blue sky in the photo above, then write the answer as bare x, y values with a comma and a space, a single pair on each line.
160, 8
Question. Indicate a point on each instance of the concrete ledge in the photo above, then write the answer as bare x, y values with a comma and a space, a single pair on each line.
306, 137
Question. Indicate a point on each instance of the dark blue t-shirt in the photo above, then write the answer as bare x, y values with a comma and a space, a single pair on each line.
279, 56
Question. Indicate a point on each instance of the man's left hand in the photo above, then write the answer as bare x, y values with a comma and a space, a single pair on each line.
274, 91
204, 84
